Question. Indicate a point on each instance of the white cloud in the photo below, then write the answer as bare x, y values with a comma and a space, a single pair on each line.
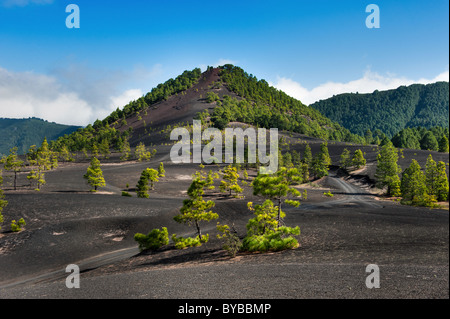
370, 82
78, 101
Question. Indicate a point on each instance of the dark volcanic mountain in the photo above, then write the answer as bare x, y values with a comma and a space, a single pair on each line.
223, 95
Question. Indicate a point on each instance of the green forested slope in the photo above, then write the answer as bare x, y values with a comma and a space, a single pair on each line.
390, 111
265, 106
26, 132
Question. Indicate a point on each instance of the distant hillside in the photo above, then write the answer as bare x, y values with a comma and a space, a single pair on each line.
390, 111
26, 132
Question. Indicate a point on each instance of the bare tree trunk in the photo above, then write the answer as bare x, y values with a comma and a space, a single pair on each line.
199, 232
279, 211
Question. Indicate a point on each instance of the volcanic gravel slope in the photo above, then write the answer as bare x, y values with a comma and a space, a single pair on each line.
340, 236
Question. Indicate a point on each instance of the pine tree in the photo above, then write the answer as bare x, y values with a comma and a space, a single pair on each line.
278, 186
307, 155
321, 162
264, 232
13, 163
358, 159
149, 175
153, 177
210, 180
345, 159
387, 169
368, 136
125, 150
161, 171
104, 148
3, 202
429, 142
443, 144
413, 186
44, 156
442, 187
65, 154
41, 160
54, 156
287, 160
94, 175
230, 181
431, 175
196, 209
303, 170
141, 153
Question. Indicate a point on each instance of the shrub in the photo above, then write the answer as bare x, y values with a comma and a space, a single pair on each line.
126, 194
231, 242
272, 240
154, 240
264, 235
328, 194
212, 97
17, 226
182, 243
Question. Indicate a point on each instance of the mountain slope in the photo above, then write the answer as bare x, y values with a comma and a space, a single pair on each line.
390, 111
22, 133
237, 96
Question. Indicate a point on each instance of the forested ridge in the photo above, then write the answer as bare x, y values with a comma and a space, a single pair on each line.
268, 107
390, 111
22, 133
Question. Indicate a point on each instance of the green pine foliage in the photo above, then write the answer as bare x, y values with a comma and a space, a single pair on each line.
154, 240
358, 160
321, 162
413, 187
387, 172
195, 209
436, 179
230, 181
141, 153
40, 160
212, 97
94, 175
161, 170
278, 187
186, 242
431, 175
419, 138
345, 161
264, 232
429, 142
3, 202
415, 105
443, 144
231, 241
17, 226
264, 106
146, 182
442, 187
13, 163
307, 155
22, 133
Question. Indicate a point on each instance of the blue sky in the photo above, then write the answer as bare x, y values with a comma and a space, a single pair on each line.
309, 49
